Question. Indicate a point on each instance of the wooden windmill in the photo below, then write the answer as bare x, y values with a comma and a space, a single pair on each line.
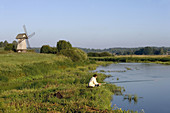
23, 43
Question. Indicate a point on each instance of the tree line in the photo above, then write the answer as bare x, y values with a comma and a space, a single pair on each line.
9, 46
128, 51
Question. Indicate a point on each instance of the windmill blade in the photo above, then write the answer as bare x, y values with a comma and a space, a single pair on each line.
25, 30
20, 41
31, 35
28, 44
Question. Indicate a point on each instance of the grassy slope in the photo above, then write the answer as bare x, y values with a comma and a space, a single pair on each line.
29, 82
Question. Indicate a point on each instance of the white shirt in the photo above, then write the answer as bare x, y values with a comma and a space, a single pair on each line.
93, 82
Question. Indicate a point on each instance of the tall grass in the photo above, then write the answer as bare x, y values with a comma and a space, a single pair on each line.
136, 58
29, 83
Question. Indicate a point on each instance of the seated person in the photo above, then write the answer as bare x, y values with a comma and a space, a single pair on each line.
93, 81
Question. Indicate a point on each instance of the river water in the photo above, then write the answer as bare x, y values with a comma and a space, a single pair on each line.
150, 82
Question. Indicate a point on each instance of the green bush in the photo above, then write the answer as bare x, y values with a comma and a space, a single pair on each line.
74, 54
10, 47
45, 49
62, 44
102, 54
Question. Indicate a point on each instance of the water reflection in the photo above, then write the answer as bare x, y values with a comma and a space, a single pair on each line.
131, 81
147, 86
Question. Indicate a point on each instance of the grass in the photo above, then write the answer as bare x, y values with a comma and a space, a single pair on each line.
161, 59
2, 51
29, 82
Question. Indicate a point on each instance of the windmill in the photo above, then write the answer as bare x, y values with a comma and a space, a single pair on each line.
23, 43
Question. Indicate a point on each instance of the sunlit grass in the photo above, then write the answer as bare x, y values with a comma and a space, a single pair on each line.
29, 82
161, 59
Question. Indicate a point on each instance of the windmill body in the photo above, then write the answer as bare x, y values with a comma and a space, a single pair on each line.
23, 42
22, 46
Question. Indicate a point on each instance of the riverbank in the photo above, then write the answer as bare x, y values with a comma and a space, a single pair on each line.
161, 59
33, 82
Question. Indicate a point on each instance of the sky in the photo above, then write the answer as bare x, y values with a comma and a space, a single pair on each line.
88, 23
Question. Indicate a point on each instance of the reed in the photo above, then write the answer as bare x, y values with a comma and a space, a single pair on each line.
162, 59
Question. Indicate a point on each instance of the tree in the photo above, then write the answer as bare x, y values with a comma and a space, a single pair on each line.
93, 54
105, 54
140, 52
45, 49
53, 50
148, 51
74, 54
161, 51
14, 42
8, 47
5, 43
62, 44
1, 44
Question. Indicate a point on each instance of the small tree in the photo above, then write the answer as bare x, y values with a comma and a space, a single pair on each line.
14, 42
1, 44
9, 47
45, 49
62, 44
5, 43
93, 54
53, 50
74, 54
148, 51
105, 54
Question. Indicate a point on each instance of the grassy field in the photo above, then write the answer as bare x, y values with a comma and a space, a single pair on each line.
30, 82
161, 59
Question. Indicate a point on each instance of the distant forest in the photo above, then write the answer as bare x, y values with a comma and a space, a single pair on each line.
131, 51
112, 51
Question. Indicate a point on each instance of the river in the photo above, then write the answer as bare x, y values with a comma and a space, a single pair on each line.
149, 81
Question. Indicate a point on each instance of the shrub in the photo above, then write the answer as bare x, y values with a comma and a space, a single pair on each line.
10, 47
62, 44
45, 49
103, 54
75, 54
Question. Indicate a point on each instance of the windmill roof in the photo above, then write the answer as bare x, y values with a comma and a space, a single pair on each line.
21, 36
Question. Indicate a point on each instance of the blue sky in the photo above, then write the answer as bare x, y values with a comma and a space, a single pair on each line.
88, 23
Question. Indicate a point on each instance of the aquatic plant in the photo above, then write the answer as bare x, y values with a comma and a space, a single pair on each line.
128, 68
162, 59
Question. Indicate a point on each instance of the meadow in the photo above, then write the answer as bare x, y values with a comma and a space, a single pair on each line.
160, 59
32, 82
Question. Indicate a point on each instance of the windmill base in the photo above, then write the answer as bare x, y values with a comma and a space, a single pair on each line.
21, 51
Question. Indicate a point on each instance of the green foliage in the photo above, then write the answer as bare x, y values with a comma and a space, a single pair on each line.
131, 51
75, 54
155, 59
62, 44
102, 54
14, 42
3, 78
48, 49
10, 47
66, 49
1, 44
53, 50
29, 84
150, 51
45, 49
